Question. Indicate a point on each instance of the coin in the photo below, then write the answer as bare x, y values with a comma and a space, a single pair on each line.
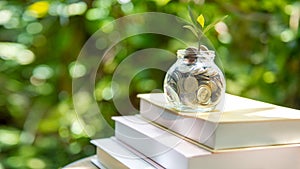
215, 97
213, 86
176, 75
212, 73
203, 48
190, 84
199, 71
203, 77
191, 51
188, 99
180, 86
203, 94
219, 83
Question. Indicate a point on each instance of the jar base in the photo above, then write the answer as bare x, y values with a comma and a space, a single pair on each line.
187, 109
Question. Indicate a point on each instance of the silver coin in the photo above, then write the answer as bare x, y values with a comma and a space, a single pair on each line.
210, 73
215, 98
203, 94
188, 99
214, 73
170, 80
180, 88
203, 48
213, 86
219, 83
199, 71
202, 79
190, 84
176, 75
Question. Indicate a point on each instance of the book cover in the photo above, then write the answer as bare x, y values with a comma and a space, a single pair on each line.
115, 155
174, 152
242, 123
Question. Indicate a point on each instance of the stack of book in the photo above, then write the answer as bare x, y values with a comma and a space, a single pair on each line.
247, 134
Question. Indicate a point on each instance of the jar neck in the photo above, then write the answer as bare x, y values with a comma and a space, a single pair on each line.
198, 56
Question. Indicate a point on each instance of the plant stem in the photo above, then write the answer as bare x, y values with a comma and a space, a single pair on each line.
199, 40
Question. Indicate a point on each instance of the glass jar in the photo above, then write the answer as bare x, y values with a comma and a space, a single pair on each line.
194, 83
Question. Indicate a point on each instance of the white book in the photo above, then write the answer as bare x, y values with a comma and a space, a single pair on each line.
97, 163
174, 152
242, 123
113, 154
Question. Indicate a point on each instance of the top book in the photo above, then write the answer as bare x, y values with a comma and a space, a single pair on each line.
242, 123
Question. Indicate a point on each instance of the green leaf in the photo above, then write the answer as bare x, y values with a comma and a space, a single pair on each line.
201, 20
213, 24
192, 16
191, 28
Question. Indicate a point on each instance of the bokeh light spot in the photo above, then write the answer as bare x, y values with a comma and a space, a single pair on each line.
36, 163
74, 148
5, 16
107, 93
25, 38
269, 77
96, 13
34, 28
64, 132
101, 43
225, 38
288, 9
76, 128
77, 8
35, 81
18, 100
43, 72
108, 27
127, 8
25, 57
44, 89
9, 137
15, 161
123, 1
146, 85
221, 27
16, 52
287, 35
77, 70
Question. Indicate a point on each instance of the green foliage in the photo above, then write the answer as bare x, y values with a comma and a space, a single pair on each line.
197, 26
258, 46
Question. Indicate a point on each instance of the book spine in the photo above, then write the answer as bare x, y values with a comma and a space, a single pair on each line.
138, 154
159, 152
115, 155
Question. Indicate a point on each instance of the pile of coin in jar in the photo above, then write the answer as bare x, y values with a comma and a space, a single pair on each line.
194, 83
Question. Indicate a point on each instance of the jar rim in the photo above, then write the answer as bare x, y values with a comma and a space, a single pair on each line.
181, 53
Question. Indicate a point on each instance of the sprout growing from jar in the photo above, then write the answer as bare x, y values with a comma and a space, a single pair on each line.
198, 27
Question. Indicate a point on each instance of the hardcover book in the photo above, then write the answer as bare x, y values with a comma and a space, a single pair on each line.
174, 152
97, 163
241, 123
113, 154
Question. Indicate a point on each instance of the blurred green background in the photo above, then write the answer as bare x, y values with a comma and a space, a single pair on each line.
258, 45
